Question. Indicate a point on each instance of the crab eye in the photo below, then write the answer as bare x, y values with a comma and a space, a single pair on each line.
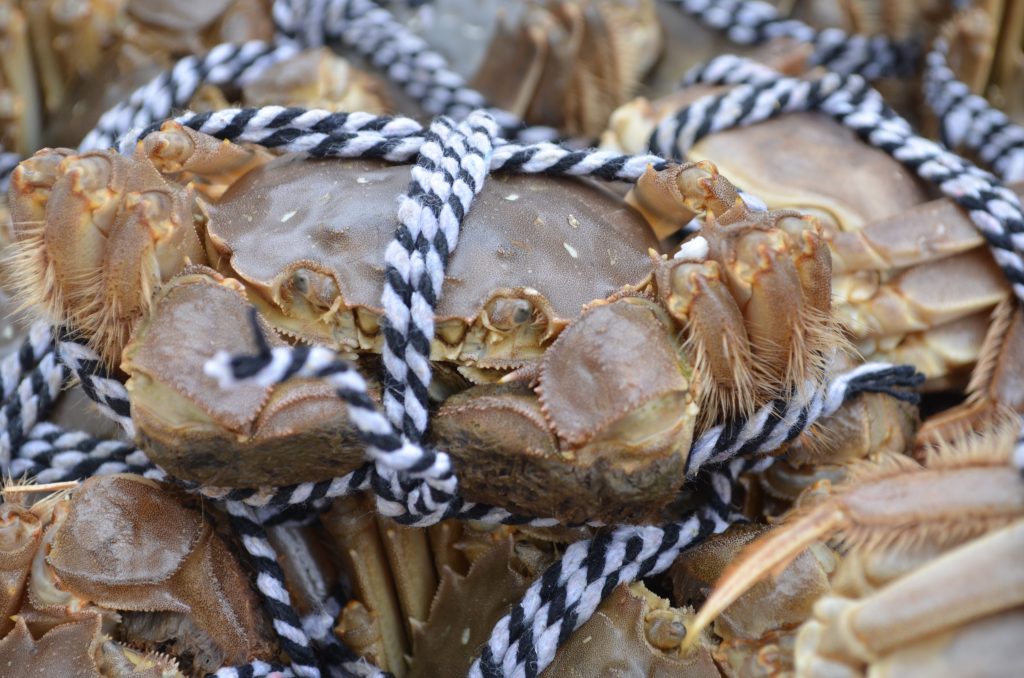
320, 289
300, 282
509, 313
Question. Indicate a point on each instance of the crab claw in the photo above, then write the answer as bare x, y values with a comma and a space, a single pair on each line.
778, 270
611, 426
96, 233
697, 296
218, 163
670, 198
234, 438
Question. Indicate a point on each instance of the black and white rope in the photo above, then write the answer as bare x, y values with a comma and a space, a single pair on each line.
107, 392
782, 420
750, 22
993, 208
323, 134
51, 454
17, 364
276, 601
450, 170
29, 403
374, 33
771, 426
525, 641
254, 669
171, 90
969, 122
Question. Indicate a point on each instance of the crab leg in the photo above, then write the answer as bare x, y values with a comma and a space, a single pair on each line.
995, 383
411, 566
902, 502
942, 594
352, 524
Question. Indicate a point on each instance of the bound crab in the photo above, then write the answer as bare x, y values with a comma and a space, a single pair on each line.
912, 281
570, 354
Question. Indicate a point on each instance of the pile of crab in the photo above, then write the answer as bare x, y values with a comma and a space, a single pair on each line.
646, 339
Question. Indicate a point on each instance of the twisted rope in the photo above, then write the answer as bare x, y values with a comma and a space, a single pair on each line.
171, 90
750, 22
323, 134
18, 364
405, 58
850, 100
107, 392
969, 121
270, 583
31, 379
524, 642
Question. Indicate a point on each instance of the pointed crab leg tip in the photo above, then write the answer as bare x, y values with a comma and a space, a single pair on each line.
771, 553
29, 488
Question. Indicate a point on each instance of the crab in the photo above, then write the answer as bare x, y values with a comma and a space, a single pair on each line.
908, 530
122, 555
576, 61
597, 421
971, 626
912, 281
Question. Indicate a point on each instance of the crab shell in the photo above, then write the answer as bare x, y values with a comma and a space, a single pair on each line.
911, 280
307, 237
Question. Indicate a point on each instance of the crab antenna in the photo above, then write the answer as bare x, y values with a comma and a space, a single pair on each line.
773, 552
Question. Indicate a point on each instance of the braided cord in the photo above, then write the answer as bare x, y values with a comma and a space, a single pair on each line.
270, 582
376, 35
969, 121
171, 90
751, 22
524, 641
994, 209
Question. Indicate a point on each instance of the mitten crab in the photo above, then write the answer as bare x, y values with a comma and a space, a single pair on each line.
593, 356
912, 280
